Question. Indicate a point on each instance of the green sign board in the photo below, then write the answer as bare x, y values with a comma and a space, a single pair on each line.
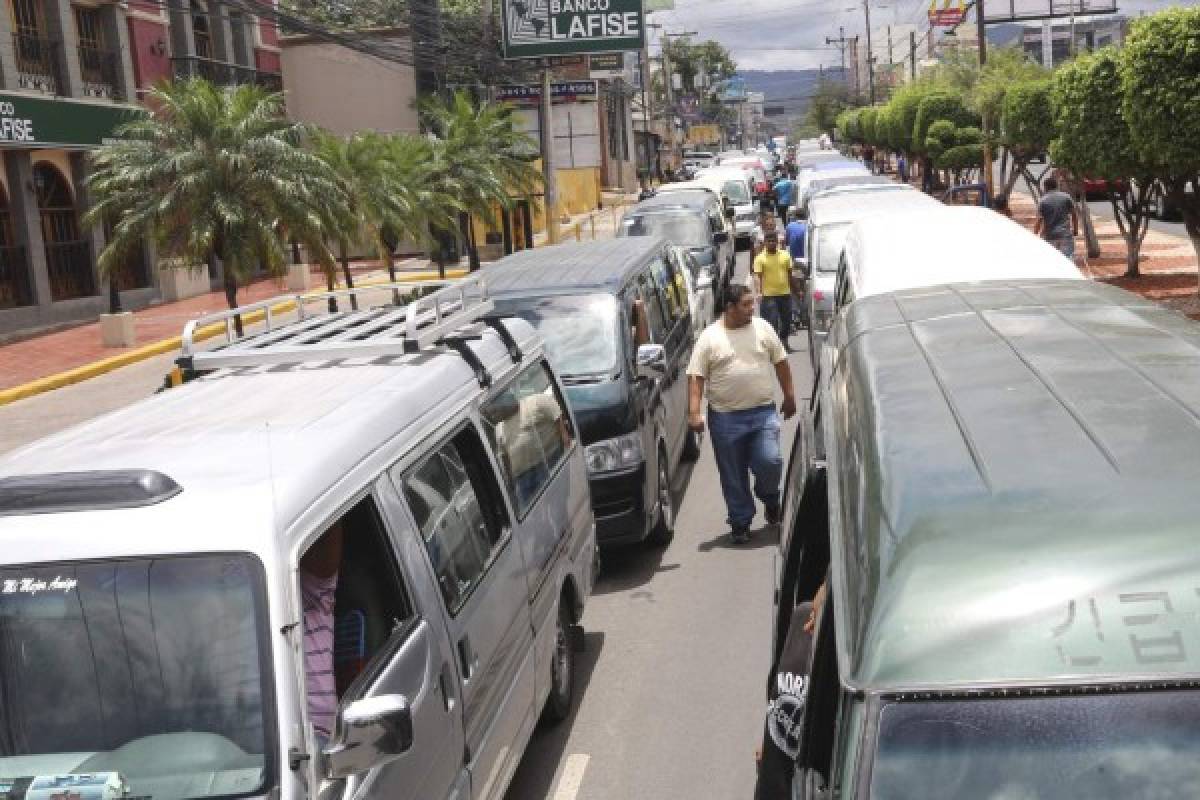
535, 28
69, 124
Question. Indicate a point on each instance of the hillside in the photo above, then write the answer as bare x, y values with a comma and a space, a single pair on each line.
787, 88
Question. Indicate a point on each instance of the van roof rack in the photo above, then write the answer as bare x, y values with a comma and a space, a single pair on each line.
435, 314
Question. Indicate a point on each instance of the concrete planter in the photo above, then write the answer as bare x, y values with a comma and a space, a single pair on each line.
179, 281
298, 277
117, 330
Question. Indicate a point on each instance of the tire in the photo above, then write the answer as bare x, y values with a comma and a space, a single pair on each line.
562, 670
664, 524
691, 445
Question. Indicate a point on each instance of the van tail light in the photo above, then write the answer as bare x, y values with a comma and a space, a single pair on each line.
818, 295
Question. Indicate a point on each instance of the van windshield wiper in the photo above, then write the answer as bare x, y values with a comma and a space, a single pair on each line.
582, 378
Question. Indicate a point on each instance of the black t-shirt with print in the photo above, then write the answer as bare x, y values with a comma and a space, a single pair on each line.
787, 692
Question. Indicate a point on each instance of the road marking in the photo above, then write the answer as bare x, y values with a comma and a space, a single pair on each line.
572, 777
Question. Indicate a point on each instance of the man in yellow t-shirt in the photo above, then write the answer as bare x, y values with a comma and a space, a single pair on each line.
737, 361
773, 282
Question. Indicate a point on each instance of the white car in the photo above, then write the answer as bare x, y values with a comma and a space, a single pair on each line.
736, 184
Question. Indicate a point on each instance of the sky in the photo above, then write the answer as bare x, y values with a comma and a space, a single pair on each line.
790, 34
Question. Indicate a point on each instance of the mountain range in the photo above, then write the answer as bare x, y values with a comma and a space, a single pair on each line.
787, 88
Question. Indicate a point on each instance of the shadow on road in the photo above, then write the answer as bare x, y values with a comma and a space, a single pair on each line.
764, 536
535, 774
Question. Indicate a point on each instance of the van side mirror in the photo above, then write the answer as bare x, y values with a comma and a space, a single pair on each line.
721, 237
651, 361
705, 279
802, 265
370, 732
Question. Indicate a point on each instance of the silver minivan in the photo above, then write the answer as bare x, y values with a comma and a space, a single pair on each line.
346, 558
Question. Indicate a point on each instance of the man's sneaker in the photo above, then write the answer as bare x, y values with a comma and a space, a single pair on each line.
740, 535
774, 514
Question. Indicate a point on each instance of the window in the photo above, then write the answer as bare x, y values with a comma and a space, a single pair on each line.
671, 286
656, 316
457, 506
530, 431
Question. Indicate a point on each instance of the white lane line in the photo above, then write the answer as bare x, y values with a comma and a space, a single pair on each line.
572, 777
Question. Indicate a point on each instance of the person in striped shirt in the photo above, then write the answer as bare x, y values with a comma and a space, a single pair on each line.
318, 583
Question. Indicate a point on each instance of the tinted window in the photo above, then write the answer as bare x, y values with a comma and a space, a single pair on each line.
829, 241
459, 529
580, 332
145, 667
654, 307
671, 287
677, 227
529, 429
1090, 747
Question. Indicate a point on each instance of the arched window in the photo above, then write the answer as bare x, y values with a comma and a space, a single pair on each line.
68, 257
14, 266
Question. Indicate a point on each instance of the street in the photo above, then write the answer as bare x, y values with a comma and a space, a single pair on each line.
670, 690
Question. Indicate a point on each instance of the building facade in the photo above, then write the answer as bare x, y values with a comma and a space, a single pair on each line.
70, 74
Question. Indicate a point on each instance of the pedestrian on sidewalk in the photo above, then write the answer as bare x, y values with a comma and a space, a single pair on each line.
1057, 219
773, 283
902, 167
732, 363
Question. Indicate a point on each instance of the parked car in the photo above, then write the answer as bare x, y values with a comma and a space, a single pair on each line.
735, 185
699, 288
1011, 581
829, 220
616, 321
415, 470
914, 248
814, 183
698, 159
694, 219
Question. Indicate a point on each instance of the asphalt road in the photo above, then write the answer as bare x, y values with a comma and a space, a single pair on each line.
670, 690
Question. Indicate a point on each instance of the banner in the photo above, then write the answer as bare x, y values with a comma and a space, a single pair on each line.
560, 92
534, 28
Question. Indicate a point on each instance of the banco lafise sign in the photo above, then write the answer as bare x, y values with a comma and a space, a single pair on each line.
534, 28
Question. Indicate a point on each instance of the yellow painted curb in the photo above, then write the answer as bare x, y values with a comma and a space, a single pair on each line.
105, 365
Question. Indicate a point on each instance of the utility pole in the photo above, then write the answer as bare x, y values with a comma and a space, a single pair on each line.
549, 177
870, 54
667, 76
912, 55
841, 42
981, 35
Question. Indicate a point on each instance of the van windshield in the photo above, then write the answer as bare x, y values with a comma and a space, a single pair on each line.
737, 193
683, 228
828, 241
580, 331
139, 676
1093, 747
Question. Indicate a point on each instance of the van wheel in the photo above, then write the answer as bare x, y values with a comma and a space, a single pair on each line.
664, 526
562, 669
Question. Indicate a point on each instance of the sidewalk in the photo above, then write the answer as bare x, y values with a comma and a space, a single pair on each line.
1168, 263
52, 360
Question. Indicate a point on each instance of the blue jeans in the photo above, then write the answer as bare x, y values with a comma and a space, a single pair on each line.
777, 310
747, 442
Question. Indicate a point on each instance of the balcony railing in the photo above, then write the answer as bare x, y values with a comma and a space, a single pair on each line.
37, 63
223, 73
100, 70
14, 278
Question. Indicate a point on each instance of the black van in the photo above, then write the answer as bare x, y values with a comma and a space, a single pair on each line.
616, 322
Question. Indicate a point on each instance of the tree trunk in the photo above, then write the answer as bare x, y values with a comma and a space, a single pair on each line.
468, 235
331, 285
114, 293
345, 259
1089, 229
1190, 206
231, 290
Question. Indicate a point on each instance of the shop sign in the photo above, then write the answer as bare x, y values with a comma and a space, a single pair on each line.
37, 122
534, 28
560, 92
606, 65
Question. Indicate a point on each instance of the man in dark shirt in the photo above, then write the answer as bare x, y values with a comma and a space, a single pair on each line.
1057, 220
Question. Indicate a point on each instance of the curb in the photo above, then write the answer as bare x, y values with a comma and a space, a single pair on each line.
106, 365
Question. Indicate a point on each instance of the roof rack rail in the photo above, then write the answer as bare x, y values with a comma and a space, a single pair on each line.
392, 329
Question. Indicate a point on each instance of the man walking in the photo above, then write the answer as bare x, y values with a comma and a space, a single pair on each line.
1057, 220
733, 362
785, 189
773, 283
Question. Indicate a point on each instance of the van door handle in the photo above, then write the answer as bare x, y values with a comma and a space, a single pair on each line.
466, 658
445, 682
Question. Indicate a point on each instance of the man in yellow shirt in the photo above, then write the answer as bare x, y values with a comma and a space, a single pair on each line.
736, 362
773, 282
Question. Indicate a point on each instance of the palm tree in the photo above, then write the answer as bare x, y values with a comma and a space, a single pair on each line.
387, 180
481, 157
210, 173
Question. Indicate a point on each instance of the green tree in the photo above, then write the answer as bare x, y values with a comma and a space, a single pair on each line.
1094, 140
829, 100
213, 173
482, 160
1026, 128
1160, 82
849, 127
868, 119
939, 105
